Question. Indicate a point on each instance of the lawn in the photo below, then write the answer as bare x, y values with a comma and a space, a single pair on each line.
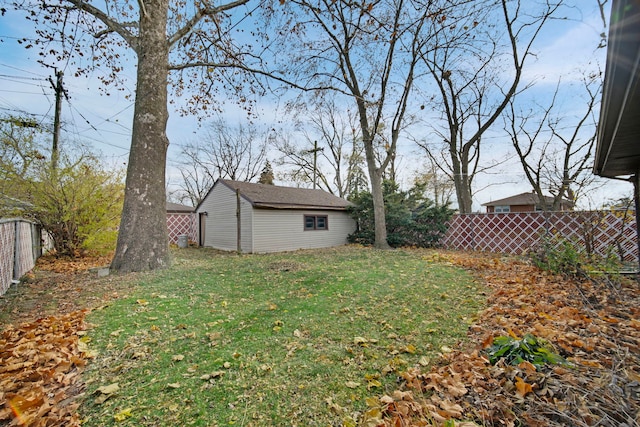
292, 339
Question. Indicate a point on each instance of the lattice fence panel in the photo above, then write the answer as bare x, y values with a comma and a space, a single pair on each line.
25, 260
20, 247
516, 233
179, 224
7, 247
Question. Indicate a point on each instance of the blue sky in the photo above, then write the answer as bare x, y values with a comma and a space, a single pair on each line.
104, 122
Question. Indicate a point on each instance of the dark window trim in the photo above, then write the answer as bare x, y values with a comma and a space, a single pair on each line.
315, 223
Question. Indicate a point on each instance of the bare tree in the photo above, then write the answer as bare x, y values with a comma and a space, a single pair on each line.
229, 152
332, 146
368, 52
473, 92
182, 45
555, 149
193, 186
438, 186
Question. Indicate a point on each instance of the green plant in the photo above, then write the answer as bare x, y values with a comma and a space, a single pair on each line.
528, 349
557, 254
564, 256
411, 218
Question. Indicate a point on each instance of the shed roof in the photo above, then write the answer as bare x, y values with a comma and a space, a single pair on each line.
523, 199
617, 148
277, 197
178, 208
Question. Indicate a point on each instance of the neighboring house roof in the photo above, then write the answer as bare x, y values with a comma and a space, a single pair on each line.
178, 208
524, 199
617, 148
277, 197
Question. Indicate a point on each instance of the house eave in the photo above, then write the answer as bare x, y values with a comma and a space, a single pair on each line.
618, 138
297, 207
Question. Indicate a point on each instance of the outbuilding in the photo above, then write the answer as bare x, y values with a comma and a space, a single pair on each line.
259, 218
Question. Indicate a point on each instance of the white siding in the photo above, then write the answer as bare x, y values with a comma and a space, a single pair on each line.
283, 230
221, 224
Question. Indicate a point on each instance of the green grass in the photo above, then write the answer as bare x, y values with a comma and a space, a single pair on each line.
293, 339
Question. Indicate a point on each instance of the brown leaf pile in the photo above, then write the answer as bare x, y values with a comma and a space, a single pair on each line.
72, 265
594, 324
40, 363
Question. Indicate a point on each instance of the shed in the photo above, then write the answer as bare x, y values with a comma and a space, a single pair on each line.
524, 202
259, 218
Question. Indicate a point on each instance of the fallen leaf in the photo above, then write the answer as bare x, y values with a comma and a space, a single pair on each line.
523, 388
123, 415
361, 341
108, 389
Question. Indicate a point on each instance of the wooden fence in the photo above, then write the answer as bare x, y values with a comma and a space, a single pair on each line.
598, 232
21, 243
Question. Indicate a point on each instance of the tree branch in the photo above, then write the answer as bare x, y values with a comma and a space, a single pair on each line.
197, 17
113, 25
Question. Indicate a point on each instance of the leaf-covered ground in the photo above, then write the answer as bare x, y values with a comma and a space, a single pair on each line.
41, 350
593, 324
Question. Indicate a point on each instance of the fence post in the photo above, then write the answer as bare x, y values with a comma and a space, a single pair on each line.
16, 252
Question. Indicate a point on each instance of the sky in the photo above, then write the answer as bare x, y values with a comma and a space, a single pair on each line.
104, 122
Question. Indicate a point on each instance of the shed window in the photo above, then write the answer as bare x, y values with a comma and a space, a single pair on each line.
316, 222
502, 209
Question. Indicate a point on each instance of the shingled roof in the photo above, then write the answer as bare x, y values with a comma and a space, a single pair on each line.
277, 197
178, 208
524, 199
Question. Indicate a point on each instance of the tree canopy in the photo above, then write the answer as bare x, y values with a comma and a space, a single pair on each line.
77, 201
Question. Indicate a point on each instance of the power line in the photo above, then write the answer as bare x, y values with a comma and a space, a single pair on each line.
22, 71
20, 92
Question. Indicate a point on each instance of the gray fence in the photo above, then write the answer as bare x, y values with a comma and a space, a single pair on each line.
21, 243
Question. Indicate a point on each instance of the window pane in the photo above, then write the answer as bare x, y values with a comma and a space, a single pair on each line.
309, 223
321, 222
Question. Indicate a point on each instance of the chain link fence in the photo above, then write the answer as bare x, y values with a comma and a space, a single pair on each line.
21, 243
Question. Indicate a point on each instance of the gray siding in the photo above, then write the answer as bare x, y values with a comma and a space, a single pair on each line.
266, 230
283, 230
221, 224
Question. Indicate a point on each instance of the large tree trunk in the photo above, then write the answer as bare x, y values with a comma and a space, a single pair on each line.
460, 169
375, 177
143, 242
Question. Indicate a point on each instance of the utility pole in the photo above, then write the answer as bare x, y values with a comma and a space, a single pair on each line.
57, 86
315, 161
